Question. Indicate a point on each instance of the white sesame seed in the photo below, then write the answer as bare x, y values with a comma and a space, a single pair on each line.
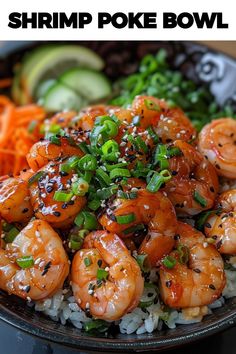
146, 207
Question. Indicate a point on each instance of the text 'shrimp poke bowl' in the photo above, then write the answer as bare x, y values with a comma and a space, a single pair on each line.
118, 193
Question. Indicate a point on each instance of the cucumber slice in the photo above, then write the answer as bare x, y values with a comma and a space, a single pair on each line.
43, 88
88, 83
51, 61
59, 98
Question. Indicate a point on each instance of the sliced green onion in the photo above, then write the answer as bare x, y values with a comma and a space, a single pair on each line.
109, 168
84, 147
160, 157
55, 140
183, 252
94, 204
75, 242
152, 105
153, 135
102, 274
103, 177
142, 260
87, 176
125, 219
174, 151
199, 199
106, 193
169, 262
141, 144
60, 196
111, 128
86, 220
145, 304
80, 187
110, 150
133, 229
70, 164
127, 195
25, 262
36, 177
11, 235
157, 180
87, 163
119, 172
96, 326
87, 261
202, 218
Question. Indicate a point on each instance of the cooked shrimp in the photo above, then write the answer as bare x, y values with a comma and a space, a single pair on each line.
194, 184
120, 289
222, 228
57, 213
170, 124
48, 267
15, 203
152, 209
44, 151
198, 282
217, 141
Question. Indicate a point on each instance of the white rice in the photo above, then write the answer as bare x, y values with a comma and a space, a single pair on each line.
63, 308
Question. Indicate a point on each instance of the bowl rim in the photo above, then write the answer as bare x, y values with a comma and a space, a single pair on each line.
101, 344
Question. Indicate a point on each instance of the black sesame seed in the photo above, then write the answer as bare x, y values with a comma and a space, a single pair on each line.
168, 283
217, 166
212, 189
174, 173
176, 237
211, 286
214, 237
63, 173
64, 205
196, 270
99, 262
208, 225
49, 189
57, 213
149, 294
25, 210
71, 202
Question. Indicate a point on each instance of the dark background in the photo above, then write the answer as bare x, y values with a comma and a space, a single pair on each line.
13, 341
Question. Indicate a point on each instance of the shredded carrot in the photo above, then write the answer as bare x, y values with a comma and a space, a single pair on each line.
15, 137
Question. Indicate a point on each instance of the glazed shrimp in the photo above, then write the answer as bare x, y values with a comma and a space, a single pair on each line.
152, 209
194, 184
200, 281
222, 227
44, 151
15, 203
48, 266
170, 124
121, 288
217, 141
57, 213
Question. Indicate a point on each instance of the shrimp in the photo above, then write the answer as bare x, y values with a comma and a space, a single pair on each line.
120, 288
151, 209
170, 124
44, 151
222, 227
198, 282
217, 141
48, 267
194, 183
15, 203
57, 213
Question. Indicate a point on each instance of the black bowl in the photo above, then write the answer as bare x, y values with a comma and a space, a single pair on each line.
200, 64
